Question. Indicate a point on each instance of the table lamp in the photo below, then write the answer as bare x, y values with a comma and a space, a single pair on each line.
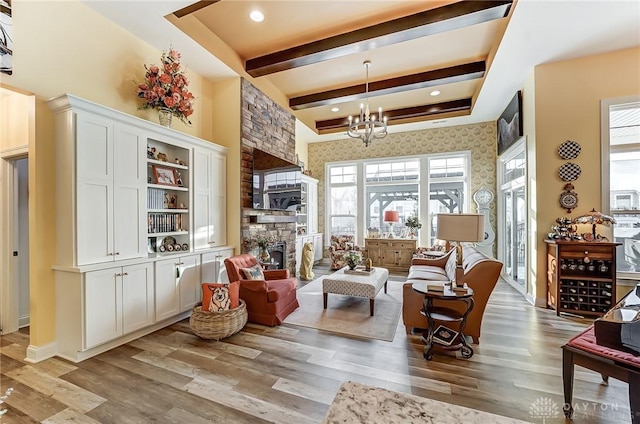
460, 227
391, 217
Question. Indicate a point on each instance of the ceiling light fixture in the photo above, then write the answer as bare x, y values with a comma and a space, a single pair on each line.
435, 93
256, 16
365, 126
335, 109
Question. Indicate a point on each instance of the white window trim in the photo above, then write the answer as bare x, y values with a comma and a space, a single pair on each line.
423, 183
605, 201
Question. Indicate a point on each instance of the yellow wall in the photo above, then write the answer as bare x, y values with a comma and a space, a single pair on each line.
67, 47
567, 107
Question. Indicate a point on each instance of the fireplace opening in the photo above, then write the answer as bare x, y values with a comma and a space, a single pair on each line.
278, 253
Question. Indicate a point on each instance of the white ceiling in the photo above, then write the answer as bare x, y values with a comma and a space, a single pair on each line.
537, 32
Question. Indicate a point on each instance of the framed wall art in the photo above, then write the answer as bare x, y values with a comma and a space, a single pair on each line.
510, 127
6, 37
164, 175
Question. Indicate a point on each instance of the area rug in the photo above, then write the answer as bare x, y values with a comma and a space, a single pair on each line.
347, 314
358, 403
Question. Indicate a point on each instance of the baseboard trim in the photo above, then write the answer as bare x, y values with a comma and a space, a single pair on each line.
40, 353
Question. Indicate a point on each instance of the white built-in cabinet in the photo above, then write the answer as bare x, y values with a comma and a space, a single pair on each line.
213, 268
209, 186
118, 301
307, 225
110, 188
113, 282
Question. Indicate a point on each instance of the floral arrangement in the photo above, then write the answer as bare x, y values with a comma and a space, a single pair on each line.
166, 87
261, 240
413, 222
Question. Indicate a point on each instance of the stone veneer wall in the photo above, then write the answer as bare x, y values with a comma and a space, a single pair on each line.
269, 127
480, 139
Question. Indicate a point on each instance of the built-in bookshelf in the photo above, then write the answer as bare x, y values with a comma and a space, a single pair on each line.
168, 198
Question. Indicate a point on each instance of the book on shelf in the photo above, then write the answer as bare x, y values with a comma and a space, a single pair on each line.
444, 335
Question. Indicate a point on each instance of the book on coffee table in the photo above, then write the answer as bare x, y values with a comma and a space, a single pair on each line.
444, 335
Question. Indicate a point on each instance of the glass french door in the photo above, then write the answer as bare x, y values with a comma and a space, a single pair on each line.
512, 210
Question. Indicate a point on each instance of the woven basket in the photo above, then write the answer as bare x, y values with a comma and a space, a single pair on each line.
218, 325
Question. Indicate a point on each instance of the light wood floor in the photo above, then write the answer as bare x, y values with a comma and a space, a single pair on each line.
290, 374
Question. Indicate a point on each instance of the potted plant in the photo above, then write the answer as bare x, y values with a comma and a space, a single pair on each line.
413, 223
352, 258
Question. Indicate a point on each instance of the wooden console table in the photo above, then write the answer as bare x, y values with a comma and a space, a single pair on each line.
393, 254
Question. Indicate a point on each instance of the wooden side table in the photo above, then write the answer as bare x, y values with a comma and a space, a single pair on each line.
444, 314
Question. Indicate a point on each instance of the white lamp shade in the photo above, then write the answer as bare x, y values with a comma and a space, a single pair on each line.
460, 227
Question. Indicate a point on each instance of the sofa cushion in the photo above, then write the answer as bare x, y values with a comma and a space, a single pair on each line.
427, 272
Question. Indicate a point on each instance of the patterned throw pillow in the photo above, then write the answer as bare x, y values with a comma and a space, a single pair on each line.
253, 273
218, 297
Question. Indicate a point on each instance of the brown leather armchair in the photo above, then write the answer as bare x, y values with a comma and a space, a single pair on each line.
480, 272
269, 301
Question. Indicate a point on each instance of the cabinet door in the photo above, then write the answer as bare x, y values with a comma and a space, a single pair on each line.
404, 258
219, 216
189, 282
130, 179
312, 207
94, 202
317, 245
202, 199
167, 291
102, 306
137, 297
213, 268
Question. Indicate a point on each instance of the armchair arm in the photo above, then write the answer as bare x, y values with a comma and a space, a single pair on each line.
254, 285
276, 274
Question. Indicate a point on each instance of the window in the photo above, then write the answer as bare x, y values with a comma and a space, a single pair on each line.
621, 172
361, 193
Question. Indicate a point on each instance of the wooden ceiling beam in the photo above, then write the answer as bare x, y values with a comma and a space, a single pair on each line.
398, 116
187, 10
465, 72
441, 19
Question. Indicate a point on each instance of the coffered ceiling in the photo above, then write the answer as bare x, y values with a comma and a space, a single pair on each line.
477, 54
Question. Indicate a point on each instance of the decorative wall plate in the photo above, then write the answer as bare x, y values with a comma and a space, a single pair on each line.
569, 198
569, 171
569, 150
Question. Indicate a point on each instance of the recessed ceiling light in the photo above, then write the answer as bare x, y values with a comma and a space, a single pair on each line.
256, 16
435, 93
335, 109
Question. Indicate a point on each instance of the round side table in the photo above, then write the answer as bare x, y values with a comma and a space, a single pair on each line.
445, 314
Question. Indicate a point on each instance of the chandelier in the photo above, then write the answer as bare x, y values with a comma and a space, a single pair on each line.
365, 126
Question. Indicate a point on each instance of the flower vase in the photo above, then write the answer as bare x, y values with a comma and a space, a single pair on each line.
164, 116
264, 255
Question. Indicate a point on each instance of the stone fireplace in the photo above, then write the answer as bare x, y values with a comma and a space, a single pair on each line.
278, 254
269, 127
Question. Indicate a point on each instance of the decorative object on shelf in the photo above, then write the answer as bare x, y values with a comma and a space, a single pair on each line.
162, 157
569, 171
569, 150
365, 126
565, 230
569, 198
165, 89
151, 152
460, 227
594, 218
164, 175
353, 259
414, 225
178, 178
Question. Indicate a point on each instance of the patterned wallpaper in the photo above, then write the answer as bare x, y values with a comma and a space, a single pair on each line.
480, 139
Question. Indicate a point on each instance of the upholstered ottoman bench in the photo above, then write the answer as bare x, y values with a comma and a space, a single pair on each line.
355, 285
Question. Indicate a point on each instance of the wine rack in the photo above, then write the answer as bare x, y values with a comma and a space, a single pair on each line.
581, 277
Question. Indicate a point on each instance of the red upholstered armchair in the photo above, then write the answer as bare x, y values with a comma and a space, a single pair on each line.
269, 301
